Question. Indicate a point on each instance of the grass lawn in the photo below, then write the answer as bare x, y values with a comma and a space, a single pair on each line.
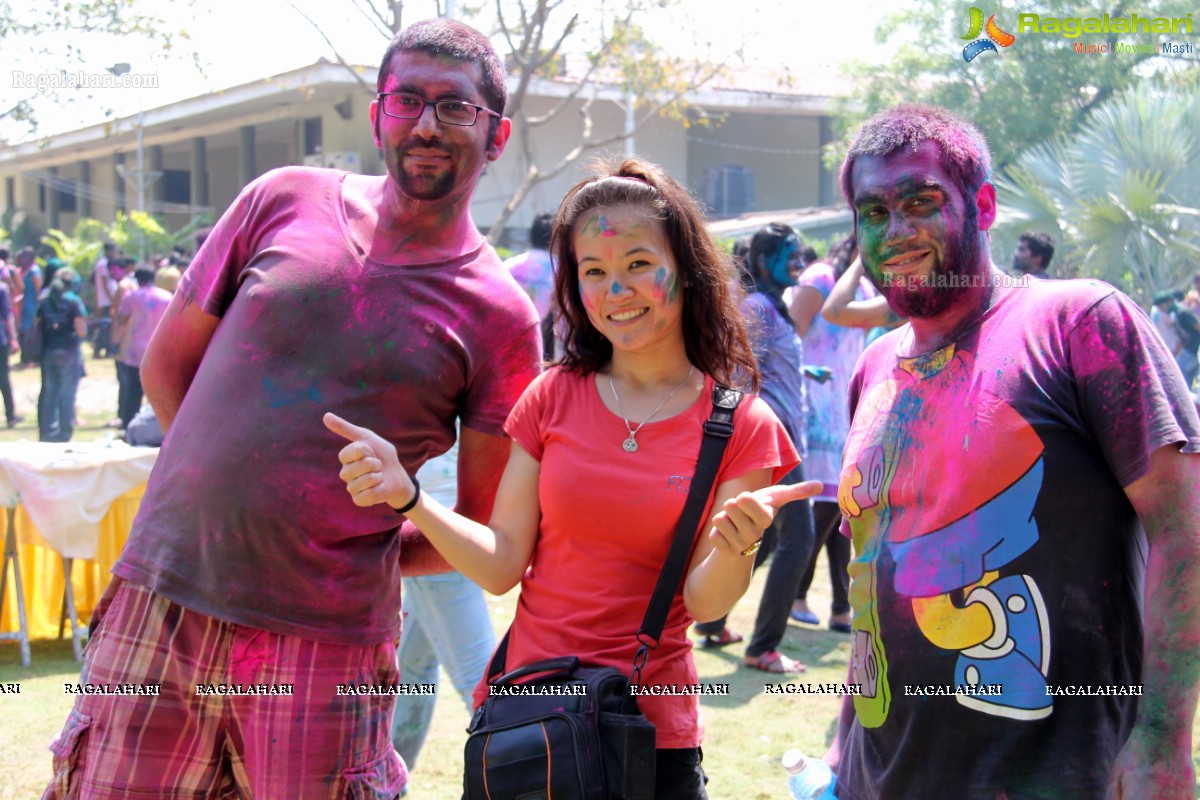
747, 731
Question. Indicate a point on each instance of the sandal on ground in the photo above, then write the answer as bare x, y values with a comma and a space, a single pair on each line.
774, 662
721, 639
839, 625
807, 617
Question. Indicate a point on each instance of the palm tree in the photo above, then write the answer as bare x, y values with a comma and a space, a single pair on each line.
1123, 194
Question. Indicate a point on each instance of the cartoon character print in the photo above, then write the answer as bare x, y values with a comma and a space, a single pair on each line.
942, 476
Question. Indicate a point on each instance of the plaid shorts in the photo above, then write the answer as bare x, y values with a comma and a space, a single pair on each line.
196, 737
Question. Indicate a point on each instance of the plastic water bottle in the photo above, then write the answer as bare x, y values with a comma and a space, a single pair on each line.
808, 778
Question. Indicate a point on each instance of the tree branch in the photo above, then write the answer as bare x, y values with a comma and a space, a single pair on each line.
374, 16
340, 60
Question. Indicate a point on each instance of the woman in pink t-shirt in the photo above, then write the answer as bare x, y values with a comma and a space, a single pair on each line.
604, 447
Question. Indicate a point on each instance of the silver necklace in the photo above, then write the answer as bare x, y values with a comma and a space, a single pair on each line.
630, 444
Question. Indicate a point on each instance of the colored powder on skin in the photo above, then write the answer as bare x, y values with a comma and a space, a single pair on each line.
597, 225
666, 285
616, 287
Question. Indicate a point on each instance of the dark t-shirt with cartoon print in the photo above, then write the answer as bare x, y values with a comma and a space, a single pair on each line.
998, 565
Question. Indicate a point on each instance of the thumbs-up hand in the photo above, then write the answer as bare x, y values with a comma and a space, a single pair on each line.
370, 467
742, 519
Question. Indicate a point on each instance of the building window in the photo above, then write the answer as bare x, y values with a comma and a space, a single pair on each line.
10, 193
68, 196
312, 136
728, 190
177, 186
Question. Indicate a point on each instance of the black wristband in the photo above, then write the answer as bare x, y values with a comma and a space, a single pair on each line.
416, 496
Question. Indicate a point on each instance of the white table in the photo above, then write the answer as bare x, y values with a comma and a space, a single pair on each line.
66, 489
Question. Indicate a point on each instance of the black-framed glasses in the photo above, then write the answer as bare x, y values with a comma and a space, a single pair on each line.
450, 112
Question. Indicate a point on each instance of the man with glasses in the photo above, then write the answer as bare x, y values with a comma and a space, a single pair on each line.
260, 600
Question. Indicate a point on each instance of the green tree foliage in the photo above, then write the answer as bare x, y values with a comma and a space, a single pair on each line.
142, 234
1023, 95
131, 232
81, 247
1121, 195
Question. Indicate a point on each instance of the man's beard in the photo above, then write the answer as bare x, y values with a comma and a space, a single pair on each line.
423, 185
961, 262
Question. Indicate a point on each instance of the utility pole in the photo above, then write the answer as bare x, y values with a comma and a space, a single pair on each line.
140, 177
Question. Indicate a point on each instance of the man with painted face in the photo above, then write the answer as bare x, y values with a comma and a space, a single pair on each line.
252, 589
1019, 483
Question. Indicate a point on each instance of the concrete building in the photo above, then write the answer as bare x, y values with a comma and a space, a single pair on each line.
759, 151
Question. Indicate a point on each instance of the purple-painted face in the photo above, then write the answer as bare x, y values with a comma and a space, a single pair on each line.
917, 235
427, 159
628, 280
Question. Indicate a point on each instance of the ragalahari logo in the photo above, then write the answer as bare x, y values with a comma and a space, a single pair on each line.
995, 36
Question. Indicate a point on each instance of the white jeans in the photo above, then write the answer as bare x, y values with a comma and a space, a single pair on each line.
446, 622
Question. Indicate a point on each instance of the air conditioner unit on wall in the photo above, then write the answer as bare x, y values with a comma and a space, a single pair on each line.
347, 160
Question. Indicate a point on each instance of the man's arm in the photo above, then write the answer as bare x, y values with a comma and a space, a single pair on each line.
174, 355
120, 322
1156, 761
481, 461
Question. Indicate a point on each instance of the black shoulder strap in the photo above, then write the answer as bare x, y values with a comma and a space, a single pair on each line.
717, 431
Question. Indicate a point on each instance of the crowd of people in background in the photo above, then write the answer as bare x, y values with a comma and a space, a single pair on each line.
120, 301
49, 311
1176, 316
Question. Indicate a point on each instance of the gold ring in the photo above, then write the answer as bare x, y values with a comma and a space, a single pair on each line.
752, 549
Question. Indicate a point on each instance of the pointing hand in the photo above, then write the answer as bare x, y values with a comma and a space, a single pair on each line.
370, 467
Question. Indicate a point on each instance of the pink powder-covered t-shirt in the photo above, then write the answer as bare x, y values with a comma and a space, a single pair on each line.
608, 518
245, 518
144, 307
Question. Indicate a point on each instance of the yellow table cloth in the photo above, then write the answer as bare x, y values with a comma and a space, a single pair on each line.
85, 496
42, 574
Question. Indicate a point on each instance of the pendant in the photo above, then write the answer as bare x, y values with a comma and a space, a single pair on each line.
630, 445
